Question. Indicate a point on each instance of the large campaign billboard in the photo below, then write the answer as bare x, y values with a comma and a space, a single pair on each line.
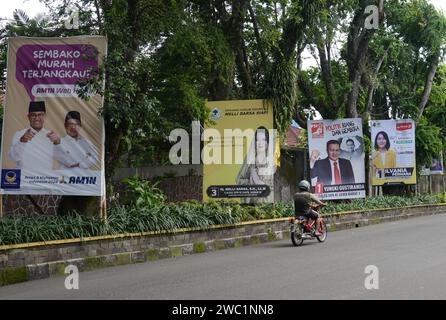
53, 136
393, 152
336, 150
239, 153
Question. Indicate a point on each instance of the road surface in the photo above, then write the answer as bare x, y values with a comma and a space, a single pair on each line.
410, 257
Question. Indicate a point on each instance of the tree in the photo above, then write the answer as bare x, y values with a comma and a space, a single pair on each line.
166, 58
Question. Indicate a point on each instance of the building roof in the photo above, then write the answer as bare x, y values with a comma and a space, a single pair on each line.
293, 138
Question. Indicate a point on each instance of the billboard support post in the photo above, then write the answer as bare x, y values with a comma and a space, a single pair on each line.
104, 208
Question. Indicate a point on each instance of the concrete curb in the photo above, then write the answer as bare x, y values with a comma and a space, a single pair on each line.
11, 275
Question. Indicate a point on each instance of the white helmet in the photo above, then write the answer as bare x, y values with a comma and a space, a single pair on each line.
304, 185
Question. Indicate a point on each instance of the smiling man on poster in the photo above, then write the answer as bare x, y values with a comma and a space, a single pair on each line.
75, 151
33, 147
332, 170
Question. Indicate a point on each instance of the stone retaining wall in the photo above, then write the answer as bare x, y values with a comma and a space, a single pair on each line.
41, 260
21, 205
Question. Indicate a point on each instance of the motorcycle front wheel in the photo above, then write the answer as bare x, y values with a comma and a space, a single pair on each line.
323, 237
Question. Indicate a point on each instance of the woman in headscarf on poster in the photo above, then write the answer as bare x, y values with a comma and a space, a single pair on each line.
258, 171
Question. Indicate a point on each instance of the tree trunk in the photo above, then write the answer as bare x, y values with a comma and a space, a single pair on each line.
357, 49
352, 109
429, 81
257, 33
219, 90
327, 74
234, 29
306, 88
372, 87
112, 144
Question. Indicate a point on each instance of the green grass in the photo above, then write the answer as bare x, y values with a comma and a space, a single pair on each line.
122, 219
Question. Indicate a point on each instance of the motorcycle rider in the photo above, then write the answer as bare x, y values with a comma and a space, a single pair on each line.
302, 204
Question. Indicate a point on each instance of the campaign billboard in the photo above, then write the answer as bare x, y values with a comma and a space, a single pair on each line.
393, 152
336, 152
53, 139
239, 154
435, 168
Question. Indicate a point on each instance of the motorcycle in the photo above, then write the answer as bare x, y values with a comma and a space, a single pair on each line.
303, 228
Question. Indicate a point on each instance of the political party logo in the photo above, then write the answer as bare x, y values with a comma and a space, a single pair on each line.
77, 180
317, 130
215, 114
10, 179
403, 126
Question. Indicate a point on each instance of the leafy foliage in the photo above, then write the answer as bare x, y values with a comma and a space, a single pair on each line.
283, 91
142, 193
429, 142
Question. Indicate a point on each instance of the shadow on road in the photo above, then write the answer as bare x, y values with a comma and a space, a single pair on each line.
288, 244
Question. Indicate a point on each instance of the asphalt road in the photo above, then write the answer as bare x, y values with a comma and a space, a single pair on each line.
410, 256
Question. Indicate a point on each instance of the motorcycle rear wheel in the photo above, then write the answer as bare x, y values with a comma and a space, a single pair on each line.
297, 236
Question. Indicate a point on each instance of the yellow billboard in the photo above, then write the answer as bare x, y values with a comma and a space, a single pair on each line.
240, 152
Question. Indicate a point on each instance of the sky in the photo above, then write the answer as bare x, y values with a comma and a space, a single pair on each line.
33, 7
440, 4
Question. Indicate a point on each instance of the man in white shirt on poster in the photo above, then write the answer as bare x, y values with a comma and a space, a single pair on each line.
75, 151
33, 148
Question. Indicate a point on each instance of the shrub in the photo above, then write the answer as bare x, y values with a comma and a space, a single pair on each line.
380, 202
142, 193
